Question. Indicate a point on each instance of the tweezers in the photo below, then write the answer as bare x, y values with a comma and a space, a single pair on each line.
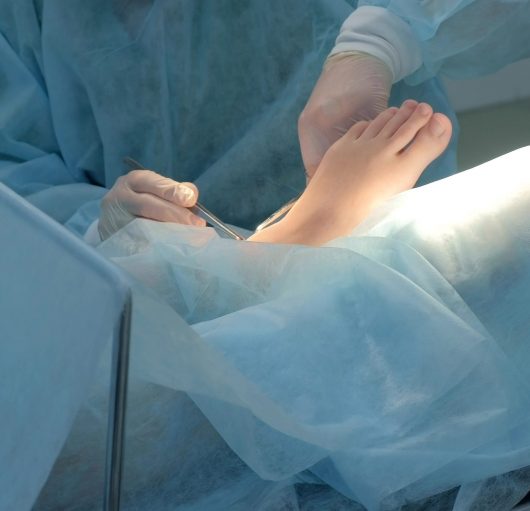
277, 215
198, 209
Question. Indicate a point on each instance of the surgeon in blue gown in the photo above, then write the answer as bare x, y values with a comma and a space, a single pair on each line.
210, 93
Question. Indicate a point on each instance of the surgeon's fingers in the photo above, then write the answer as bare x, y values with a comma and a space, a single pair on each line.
149, 182
150, 206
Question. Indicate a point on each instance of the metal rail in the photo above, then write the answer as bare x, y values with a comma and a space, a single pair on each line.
117, 411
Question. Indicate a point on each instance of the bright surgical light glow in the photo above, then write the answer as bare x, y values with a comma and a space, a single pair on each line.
497, 191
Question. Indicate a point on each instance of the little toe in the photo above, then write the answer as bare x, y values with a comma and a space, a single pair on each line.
430, 141
358, 129
379, 123
405, 111
409, 129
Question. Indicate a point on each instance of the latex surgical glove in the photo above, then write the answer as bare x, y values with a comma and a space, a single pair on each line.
353, 87
146, 194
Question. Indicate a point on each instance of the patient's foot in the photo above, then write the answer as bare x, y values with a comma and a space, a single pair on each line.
372, 162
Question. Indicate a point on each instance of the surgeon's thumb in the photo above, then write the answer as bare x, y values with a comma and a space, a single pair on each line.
183, 194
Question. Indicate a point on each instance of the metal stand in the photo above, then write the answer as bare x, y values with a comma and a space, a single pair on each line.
117, 408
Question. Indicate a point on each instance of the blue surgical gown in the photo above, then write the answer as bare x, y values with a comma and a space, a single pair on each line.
464, 38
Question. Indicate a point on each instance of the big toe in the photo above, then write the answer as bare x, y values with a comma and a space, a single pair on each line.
430, 141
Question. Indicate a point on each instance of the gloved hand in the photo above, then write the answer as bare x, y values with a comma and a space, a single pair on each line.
353, 87
143, 193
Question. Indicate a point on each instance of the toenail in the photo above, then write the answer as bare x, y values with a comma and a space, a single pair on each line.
424, 109
436, 128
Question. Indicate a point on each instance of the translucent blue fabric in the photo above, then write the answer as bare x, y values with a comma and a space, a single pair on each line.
378, 372
464, 38
50, 348
205, 91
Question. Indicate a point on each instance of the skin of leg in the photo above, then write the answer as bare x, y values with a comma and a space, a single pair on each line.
366, 166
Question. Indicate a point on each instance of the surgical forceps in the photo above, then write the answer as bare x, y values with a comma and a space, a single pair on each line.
278, 214
198, 209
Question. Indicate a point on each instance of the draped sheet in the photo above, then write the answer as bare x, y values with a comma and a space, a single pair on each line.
383, 369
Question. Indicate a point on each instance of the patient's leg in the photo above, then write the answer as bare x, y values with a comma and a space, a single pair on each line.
372, 162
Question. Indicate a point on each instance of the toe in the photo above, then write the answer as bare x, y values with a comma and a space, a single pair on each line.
405, 111
358, 129
409, 129
430, 141
379, 123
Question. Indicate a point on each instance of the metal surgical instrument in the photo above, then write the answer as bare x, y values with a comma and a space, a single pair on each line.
277, 215
198, 209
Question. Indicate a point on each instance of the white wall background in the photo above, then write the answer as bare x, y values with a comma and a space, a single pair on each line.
509, 84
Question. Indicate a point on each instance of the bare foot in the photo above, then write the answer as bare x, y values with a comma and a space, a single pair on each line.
370, 163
